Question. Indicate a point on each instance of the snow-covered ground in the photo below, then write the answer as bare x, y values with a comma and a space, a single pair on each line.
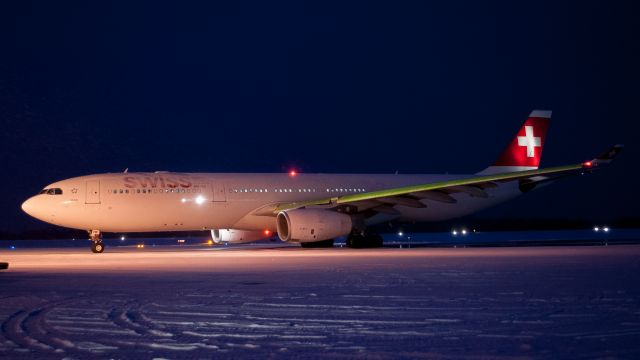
550, 302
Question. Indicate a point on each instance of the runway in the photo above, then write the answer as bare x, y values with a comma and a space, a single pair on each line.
543, 302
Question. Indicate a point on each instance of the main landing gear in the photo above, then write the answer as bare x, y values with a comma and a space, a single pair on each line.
318, 244
362, 240
96, 241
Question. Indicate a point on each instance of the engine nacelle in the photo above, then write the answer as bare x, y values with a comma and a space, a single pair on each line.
310, 225
233, 236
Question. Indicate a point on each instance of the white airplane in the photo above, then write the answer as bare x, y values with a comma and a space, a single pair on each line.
310, 209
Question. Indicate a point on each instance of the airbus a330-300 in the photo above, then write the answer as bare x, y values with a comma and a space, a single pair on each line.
310, 209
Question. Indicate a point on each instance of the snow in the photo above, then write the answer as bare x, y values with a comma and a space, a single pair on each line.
560, 302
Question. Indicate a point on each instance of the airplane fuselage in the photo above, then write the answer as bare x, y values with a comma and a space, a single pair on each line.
147, 202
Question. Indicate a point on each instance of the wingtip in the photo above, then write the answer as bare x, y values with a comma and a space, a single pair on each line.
608, 156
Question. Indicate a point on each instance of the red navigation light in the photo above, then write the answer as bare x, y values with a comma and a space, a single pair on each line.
292, 173
587, 164
267, 232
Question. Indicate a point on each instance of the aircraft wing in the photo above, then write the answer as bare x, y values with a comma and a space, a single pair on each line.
384, 200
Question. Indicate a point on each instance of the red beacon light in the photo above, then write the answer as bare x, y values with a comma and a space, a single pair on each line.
587, 164
267, 232
293, 173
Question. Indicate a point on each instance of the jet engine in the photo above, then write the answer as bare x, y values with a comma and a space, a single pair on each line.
233, 236
311, 225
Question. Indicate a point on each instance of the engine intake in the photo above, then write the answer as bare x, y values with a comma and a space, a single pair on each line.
233, 236
310, 225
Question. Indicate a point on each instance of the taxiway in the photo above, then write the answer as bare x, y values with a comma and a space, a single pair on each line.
554, 302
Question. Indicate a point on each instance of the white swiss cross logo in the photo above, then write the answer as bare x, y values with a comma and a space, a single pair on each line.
530, 141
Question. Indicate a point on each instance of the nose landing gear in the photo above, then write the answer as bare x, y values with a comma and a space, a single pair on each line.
96, 241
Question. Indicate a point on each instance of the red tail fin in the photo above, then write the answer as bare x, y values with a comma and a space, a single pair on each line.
525, 150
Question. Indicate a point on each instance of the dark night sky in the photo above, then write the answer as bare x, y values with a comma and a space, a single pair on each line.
349, 86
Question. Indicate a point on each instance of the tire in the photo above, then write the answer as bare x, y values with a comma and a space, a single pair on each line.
318, 244
357, 241
97, 247
375, 241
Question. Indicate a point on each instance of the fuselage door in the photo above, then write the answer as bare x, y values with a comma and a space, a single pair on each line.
219, 195
93, 192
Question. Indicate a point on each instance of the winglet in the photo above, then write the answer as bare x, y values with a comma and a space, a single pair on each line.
604, 158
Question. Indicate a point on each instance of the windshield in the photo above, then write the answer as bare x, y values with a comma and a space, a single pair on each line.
51, 191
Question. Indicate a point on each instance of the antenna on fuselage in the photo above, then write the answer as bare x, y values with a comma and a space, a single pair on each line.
126, 171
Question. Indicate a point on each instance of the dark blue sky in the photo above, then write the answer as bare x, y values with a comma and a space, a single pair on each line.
326, 87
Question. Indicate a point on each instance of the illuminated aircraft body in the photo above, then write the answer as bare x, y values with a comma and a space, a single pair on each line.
311, 209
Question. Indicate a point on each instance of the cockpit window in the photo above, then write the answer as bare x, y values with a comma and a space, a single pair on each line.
52, 191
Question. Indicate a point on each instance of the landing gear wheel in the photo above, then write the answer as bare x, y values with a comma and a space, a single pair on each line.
96, 241
359, 241
318, 244
355, 241
97, 247
375, 240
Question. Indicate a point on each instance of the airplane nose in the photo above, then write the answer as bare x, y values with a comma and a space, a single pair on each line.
27, 206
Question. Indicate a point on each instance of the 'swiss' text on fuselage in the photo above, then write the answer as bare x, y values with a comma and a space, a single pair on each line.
133, 182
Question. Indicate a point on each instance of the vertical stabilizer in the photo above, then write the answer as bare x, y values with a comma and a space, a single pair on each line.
524, 152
